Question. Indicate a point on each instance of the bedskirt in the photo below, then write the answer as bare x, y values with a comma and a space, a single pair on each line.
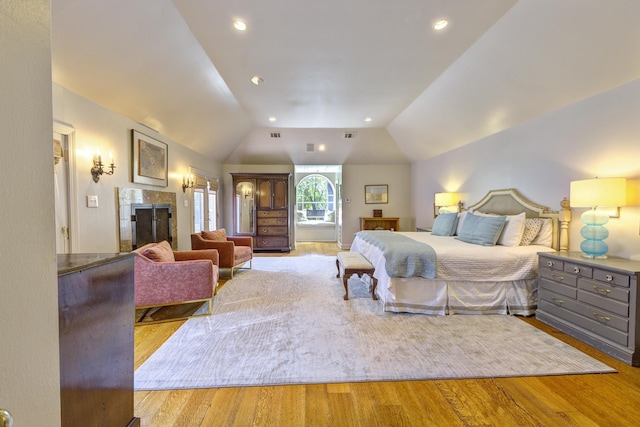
444, 297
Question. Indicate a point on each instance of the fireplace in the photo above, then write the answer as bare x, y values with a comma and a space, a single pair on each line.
146, 216
150, 223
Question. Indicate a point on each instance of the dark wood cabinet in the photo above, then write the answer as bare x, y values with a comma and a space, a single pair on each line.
95, 315
271, 214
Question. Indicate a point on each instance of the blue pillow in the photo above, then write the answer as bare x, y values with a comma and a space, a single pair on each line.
445, 224
481, 230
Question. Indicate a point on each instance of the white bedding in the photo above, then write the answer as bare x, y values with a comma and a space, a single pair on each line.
469, 278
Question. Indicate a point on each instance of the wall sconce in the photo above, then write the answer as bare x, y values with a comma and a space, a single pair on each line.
446, 202
187, 182
595, 193
98, 168
247, 192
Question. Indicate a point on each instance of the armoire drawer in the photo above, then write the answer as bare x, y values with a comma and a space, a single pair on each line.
273, 221
266, 242
272, 231
271, 214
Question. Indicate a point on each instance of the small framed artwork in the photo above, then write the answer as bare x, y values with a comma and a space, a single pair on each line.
150, 160
376, 194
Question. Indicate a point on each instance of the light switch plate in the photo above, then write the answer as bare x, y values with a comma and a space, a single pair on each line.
92, 201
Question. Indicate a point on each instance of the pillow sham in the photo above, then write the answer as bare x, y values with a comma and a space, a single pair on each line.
511, 234
531, 229
545, 236
481, 230
445, 224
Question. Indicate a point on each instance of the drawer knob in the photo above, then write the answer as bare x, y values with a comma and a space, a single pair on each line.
549, 263
602, 291
600, 317
608, 278
576, 270
557, 301
561, 278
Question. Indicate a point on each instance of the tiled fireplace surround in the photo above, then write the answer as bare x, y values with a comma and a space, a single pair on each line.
128, 196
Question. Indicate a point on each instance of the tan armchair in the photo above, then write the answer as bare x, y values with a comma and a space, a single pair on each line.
233, 250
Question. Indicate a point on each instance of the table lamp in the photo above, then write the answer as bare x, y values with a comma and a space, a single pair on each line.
596, 193
444, 201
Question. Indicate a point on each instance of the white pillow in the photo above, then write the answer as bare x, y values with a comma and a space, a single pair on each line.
461, 216
545, 236
511, 234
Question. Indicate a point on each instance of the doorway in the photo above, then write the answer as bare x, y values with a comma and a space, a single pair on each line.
64, 187
318, 209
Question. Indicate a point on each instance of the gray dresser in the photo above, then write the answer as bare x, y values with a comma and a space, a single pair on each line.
593, 300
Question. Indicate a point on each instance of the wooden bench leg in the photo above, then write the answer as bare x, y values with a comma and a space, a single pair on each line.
373, 288
338, 266
345, 280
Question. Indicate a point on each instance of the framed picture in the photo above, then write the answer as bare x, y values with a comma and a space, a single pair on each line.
376, 194
150, 160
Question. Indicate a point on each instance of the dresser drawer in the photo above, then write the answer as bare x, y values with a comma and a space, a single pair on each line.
272, 242
605, 291
272, 221
578, 270
551, 264
600, 302
263, 214
560, 277
272, 231
611, 277
559, 288
564, 309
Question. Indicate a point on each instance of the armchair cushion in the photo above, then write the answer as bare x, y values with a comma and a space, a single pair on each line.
216, 236
160, 252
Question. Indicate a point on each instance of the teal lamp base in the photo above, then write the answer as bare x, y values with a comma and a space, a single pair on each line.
594, 233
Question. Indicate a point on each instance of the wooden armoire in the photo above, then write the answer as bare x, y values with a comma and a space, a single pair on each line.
261, 209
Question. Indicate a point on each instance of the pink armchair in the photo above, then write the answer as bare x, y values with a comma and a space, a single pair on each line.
164, 277
234, 250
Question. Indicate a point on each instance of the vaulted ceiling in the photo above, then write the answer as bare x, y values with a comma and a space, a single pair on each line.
181, 68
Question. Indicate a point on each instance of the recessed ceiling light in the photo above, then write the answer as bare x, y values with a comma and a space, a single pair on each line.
272, 119
322, 147
257, 80
367, 119
239, 25
440, 25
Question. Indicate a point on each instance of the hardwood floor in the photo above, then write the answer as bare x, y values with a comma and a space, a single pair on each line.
572, 400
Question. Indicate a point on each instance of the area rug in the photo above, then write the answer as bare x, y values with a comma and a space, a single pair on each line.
285, 322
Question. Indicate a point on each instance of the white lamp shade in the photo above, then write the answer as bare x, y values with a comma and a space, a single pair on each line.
446, 199
609, 192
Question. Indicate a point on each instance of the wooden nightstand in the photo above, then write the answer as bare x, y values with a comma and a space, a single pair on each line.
593, 300
379, 223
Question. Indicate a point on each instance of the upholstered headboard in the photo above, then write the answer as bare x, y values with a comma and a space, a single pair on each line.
511, 202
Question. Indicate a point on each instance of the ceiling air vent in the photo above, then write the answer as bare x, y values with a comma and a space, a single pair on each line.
310, 148
350, 135
275, 134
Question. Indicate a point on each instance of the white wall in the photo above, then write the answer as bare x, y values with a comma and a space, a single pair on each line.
99, 128
355, 177
29, 363
599, 136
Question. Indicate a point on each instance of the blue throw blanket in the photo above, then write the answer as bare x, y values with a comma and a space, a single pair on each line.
404, 256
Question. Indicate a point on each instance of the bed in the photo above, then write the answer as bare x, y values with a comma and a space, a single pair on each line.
469, 278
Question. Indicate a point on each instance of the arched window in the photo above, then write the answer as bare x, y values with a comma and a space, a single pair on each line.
315, 196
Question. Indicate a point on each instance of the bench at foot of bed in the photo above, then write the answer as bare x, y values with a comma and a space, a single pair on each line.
350, 263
